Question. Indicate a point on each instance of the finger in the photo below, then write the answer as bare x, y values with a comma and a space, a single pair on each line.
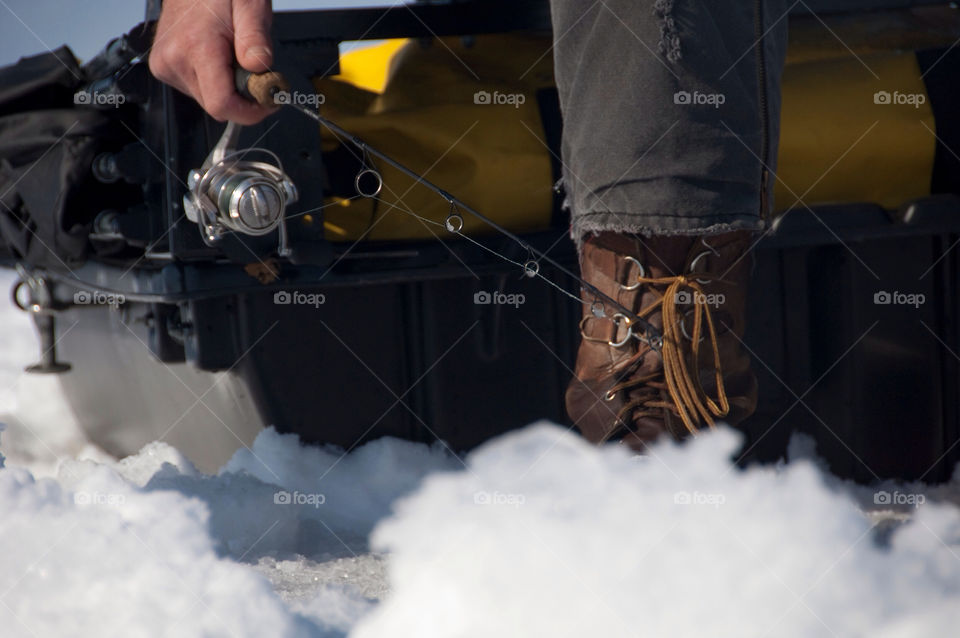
184, 26
218, 94
251, 34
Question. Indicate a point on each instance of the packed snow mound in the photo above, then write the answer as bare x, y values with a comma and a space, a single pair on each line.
108, 560
540, 534
150, 547
545, 535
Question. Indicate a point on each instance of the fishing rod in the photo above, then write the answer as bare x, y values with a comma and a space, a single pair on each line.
256, 204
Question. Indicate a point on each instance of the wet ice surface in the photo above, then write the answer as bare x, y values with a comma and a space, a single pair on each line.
539, 534
296, 580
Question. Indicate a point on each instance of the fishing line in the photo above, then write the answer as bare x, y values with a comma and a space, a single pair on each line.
531, 267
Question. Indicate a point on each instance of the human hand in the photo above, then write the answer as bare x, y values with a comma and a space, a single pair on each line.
195, 47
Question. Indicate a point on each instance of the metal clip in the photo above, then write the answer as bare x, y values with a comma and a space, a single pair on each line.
42, 308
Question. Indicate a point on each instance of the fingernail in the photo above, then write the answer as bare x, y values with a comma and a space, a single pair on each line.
259, 53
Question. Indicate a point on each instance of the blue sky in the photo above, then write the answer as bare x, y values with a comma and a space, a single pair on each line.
28, 27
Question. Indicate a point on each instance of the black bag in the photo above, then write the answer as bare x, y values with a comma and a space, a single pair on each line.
47, 145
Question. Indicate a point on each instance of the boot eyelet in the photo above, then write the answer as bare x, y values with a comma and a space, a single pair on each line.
640, 275
610, 395
626, 339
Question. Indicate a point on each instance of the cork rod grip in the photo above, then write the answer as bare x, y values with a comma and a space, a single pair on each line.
260, 87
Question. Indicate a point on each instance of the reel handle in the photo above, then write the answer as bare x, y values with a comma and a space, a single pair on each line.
260, 87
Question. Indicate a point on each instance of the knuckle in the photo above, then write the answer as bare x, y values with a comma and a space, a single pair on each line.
218, 106
160, 66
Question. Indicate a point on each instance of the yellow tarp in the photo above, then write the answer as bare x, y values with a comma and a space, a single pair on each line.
845, 139
853, 130
482, 141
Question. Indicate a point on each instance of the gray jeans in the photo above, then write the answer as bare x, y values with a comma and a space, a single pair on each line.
671, 112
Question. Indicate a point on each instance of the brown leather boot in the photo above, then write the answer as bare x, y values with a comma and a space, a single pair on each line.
694, 290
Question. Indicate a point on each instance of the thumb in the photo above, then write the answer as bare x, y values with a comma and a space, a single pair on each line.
251, 34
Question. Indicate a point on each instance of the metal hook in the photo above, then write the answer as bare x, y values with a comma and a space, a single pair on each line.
703, 240
693, 265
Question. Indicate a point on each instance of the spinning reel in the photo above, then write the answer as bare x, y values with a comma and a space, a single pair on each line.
230, 193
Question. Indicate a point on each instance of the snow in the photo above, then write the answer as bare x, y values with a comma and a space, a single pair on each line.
535, 533
149, 546
678, 544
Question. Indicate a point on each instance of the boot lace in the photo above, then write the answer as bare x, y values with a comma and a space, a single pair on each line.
680, 376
